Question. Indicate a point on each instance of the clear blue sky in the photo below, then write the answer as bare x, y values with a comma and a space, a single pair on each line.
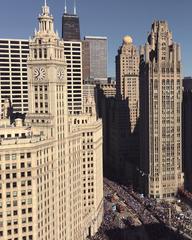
111, 18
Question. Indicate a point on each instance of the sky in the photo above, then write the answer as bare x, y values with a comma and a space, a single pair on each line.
111, 18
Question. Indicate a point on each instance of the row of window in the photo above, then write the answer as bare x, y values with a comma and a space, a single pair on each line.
15, 193
14, 156
15, 165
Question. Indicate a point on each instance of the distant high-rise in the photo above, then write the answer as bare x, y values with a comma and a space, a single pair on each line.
86, 60
13, 73
98, 58
127, 77
73, 53
70, 26
160, 114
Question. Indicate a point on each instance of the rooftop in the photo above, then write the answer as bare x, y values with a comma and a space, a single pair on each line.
95, 37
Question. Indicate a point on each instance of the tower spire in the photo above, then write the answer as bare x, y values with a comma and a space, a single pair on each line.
65, 11
75, 8
45, 3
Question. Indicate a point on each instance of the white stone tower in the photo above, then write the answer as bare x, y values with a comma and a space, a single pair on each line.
48, 115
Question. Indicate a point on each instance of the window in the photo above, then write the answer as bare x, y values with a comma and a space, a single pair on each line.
23, 211
14, 194
30, 228
7, 157
23, 193
8, 194
14, 175
22, 183
14, 166
9, 223
29, 210
7, 176
22, 165
15, 212
24, 220
29, 192
8, 213
15, 221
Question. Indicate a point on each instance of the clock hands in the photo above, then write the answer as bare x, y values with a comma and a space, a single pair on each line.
39, 73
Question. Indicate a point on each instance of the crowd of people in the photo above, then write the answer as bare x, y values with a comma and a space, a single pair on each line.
144, 215
168, 213
108, 219
149, 211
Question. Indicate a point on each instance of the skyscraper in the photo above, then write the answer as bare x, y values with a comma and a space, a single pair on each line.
52, 163
160, 114
127, 77
13, 73
73, 53
86, 60
120, 116
70, 26
98, 58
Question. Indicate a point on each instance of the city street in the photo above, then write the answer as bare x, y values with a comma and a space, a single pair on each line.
131, 216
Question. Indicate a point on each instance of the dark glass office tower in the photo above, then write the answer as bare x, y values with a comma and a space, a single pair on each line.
70, 27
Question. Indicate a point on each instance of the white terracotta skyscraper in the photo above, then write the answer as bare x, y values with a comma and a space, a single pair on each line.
51, 161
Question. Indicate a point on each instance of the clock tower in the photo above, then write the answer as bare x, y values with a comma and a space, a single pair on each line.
48, 114
47, 76
68, 195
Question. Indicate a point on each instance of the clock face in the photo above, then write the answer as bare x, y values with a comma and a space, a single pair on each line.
39, 73
60, 73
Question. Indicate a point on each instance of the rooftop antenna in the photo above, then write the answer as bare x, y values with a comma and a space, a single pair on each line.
65, 11
75, 9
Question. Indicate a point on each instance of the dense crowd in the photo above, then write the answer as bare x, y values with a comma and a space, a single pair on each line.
149, 211
145, 216
168, 214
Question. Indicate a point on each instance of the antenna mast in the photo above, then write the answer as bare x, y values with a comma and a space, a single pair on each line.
65, 11
75, 9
